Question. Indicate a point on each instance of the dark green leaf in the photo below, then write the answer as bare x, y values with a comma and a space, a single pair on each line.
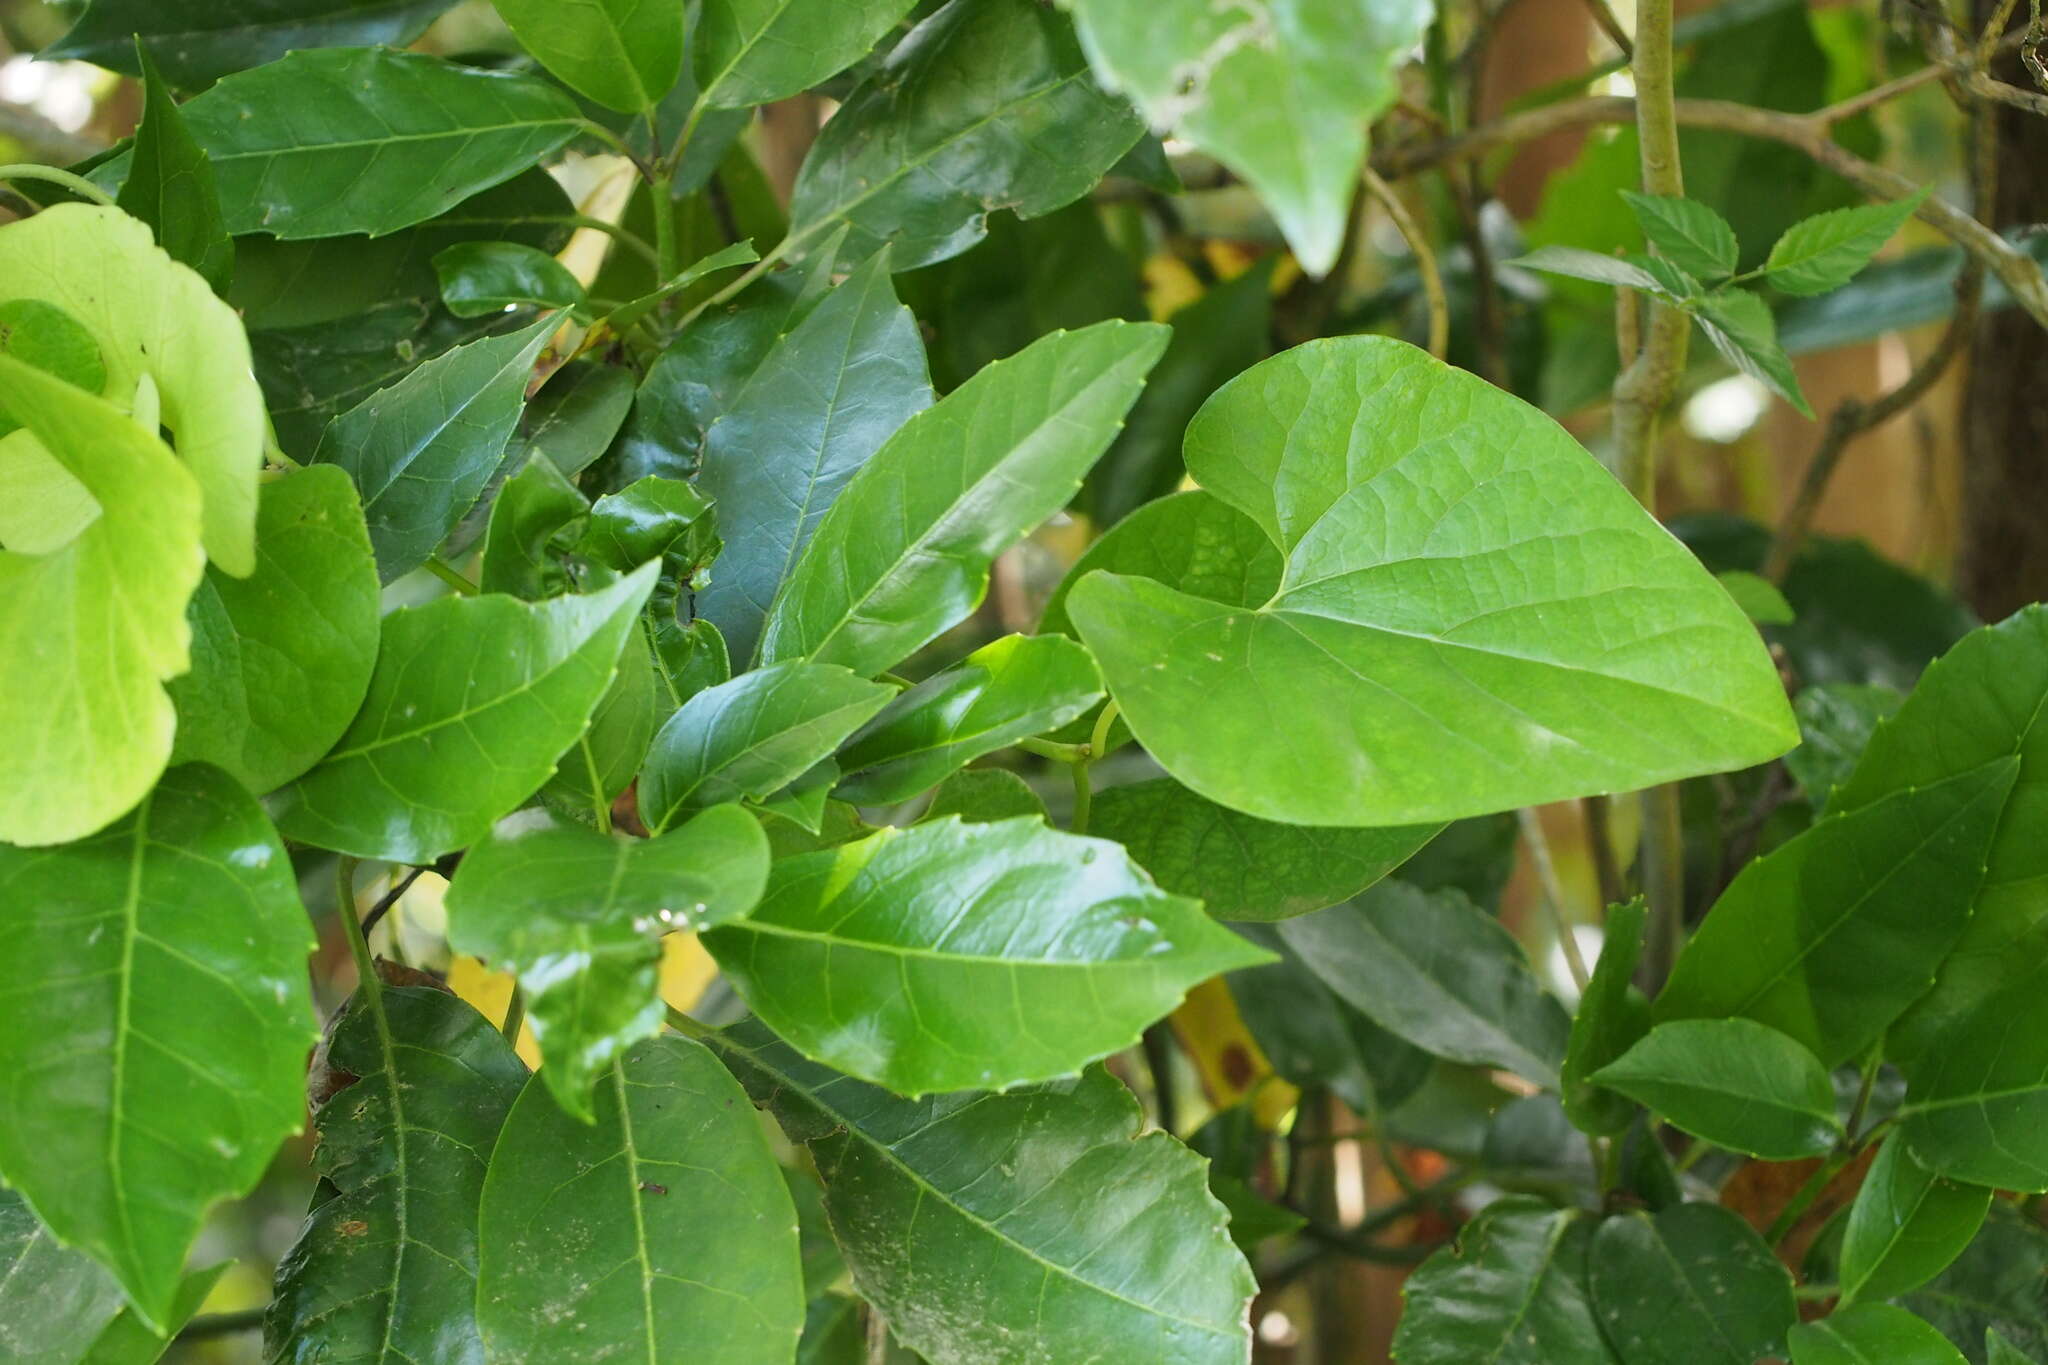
1448, 548
530, 518
1693, 1286
651, 518
280, 660
726, 257
1906, 1225
1977, 1089
1475, 856
663, 1231
378, 140
625, 54
1739, 324
1999, 1351
1215, 338
473, 700
987, 104
1284, 99
1871, 1334
385, 1267
610, 751
749, 738
573, 420
950, 955
481, 278
688, 659
1193, 541
834, 1332
1733, 1082
1689, 234
1825, 251
1012, 689
821, 401
1998, 1288
1611, 1018
980, 795
905, 552
1836, 721
753, 51
1239, 866
176, 940
199, 40
54, 1301
1440, 972
422, 450
1835, 933
1513, 1292
171, 187
128, 1341
578, 917
945, 1208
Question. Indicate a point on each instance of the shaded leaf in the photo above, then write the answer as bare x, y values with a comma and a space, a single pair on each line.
1739, 324
951, 955
1733, 1082
625, 54
1823, 252
481, 278
472, 701
171, 187
980, 795
1871, 1334
530, 518
1513, 1291
1998, 1288
951, 1214
1906, 1225
1836, 721
176, 940
1977, 1092
1611, 1018
54, 1301
199, 40
1694, 1285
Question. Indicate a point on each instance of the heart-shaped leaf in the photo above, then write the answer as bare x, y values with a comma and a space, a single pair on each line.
1460, 575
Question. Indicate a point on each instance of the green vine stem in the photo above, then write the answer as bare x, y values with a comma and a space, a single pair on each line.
77, 184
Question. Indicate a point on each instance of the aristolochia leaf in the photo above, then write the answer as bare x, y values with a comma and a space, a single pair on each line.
987, 104
1282, 93
1482, 615
472, 701
957, 1216
91, 628
385, 1268
951, 955
175, 942
905, 551
661, 1233
280, 659
578, 917
152, 318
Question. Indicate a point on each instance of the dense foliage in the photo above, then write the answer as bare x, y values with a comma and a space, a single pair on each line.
374, 510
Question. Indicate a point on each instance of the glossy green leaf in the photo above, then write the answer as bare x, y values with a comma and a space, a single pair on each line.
1694, 1285
127, 1340
752, 736
1823, 252
1832, 935
625, 54
687, 659
987, 104
752, 51
1993, 1290
379, 139
385, 1267
472, 701
1239, 866
175, 945
980, 795
1462, 577
153, 319
197, 41
105, 613
1906, 1225
955, 1215
1194, 542
905, 551
1836, 721
1687, 233
1734, 1082
1611, 1018
1579, 264
1438, 971
651, 518
573, 420
533, 514
171, 187
1006, 691
578, 917
54, 1301
1282, 94
1739, 324
1977, 1090
422, 450
1512, 1292
1871, 1334
951, 955
611, 749
480, 278
281, 659
1984, 700
663, 1230
726, 257
823, 399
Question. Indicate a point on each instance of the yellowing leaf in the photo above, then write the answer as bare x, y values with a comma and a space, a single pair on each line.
489, 993
1232, 1065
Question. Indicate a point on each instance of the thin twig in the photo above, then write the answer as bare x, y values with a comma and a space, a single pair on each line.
1552, 894
1425, 261
1157, 1045
1611, 26
389, 899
